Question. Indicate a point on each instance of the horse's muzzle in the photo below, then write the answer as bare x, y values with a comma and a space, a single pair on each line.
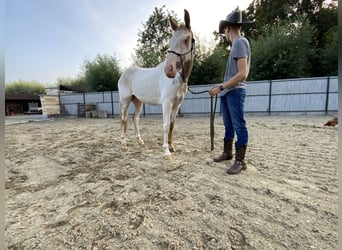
170, 71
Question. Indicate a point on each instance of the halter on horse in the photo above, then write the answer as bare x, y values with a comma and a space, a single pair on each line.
163, 85
184, 54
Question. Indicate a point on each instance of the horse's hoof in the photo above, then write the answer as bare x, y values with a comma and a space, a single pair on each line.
172, 149
167, 157
141, 142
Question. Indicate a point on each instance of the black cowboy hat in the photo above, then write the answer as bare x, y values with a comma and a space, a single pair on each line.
235, 18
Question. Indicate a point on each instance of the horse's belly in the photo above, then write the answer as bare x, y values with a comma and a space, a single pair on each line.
148, 99
147, 93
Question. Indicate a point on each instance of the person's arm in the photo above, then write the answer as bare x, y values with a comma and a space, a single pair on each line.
240, 76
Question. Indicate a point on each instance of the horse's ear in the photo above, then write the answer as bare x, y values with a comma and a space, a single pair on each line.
187, 19
174, 24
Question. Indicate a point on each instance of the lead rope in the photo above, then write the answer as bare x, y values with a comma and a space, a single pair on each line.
212, 115
212, 118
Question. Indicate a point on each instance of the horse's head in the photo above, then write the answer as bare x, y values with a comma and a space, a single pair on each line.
180, 54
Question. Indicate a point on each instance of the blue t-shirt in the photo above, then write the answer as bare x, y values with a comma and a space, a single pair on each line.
240, 49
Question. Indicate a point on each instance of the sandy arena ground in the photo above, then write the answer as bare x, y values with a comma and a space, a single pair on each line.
71, 185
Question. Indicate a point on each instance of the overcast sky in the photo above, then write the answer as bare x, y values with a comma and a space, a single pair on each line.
49, 39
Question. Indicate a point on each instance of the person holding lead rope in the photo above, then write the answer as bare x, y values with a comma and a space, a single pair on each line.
233, 92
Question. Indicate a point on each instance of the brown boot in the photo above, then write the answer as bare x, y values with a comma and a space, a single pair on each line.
239, 163
227, 152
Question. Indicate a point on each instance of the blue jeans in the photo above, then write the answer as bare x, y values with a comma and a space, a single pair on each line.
232, 106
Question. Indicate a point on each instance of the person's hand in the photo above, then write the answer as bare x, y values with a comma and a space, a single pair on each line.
215, 90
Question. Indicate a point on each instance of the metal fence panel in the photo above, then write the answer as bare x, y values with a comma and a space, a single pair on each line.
71, 98
332, 102
333, 84
256, 104
107, 96
299, 103
291, 95
69, 109
298, 86
258, 88
197, 105
94, 97
151, 109
104, 107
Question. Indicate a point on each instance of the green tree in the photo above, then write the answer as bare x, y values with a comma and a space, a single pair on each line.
101, 73
68, 81
24, 87
322, 16
267, 13
209, 66
284, 52
153, 40
324, 40
329, 56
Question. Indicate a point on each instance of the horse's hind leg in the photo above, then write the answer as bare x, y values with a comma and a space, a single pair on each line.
123, 120
136, 117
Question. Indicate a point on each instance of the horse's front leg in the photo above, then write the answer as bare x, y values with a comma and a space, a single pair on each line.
169, 142
166, 128
172, 124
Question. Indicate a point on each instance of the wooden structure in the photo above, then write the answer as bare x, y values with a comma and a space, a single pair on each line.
51, 104
22, 104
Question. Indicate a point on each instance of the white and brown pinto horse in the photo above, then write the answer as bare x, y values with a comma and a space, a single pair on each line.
164, 85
